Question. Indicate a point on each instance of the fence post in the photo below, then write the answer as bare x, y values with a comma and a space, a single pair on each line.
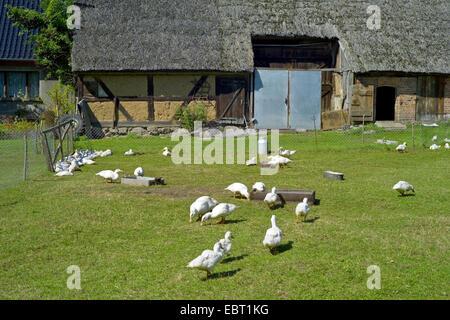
412, 135
362, 135
315, 132
25, 157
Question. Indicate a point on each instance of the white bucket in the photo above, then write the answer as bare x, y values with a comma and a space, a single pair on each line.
262, 146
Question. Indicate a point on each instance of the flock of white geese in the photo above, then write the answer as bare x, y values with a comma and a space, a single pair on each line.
206, 208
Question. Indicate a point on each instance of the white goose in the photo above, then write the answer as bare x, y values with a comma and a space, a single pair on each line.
106, 153
139, 172
401, 147
208, 259
287, 153
226, 243
434, 147
129, 153
273, 236
272, 198
447, 146
238, 189
87, 161
201, 206
68, 172
402, 187
434, 138
302, 209
166, 152
259, 186
222, 210
277, 159
109, 174
251, 162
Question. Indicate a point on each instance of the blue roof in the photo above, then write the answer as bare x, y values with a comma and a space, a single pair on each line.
12, 45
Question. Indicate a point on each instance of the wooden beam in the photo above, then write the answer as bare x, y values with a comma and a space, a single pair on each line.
150, 94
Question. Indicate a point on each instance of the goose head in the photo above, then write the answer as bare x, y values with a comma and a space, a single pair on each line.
305, 200
117, 171
205, 217
192, 214
274, 190
228, 235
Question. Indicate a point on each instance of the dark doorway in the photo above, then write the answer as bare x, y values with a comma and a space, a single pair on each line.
385, 105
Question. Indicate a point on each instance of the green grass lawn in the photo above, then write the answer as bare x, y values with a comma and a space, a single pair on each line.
134, 242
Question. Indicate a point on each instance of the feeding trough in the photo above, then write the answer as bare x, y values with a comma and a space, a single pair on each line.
288, 195
142, 181
333, 175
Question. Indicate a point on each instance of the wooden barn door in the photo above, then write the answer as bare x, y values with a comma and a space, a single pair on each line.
231, 97
428, 98
362, 103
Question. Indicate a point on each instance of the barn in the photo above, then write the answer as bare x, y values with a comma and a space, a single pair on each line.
287, 64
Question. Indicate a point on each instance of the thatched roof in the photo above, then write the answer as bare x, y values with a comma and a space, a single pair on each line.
216, 35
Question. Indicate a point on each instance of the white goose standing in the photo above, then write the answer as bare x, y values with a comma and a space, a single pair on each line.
139, 172
222, 210
272, 198
273, 236
238, 189
402, 187
226, 243
109, 175
302, 209
208, 259
201, 206
259, 186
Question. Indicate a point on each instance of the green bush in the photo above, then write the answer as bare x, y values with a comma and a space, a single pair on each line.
187, 116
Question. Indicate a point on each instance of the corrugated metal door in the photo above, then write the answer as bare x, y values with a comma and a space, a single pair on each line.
287, 99
271, 91
305, 89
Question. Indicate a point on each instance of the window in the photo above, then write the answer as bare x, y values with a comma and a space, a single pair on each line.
19, 84
33, 85
2, 84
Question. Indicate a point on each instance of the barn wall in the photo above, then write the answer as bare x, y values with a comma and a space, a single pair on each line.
133, 85
447, 97
406, 94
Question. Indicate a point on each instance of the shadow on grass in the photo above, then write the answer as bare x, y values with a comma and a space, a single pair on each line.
224, 274
317, 202
227, 260
312, 220
407, 195
285, 247
234, 221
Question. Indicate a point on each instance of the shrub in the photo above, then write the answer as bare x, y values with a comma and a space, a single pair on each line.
187, 115
63, 97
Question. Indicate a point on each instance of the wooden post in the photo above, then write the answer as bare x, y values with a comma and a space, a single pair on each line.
412, 134
315, 132
25, 157
59, 127
362, 136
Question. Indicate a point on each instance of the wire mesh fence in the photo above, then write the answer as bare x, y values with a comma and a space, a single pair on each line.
21, 156
417, 136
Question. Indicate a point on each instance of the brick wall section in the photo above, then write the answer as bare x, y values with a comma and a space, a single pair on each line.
405, 103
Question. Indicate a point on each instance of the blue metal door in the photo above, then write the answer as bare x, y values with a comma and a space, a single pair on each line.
305, 88
271, 91
287, 99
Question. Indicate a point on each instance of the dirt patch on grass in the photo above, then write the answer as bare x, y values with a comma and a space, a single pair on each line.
183, 192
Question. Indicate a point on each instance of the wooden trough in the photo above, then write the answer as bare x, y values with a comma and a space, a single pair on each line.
287, 195
333, 175
142, 181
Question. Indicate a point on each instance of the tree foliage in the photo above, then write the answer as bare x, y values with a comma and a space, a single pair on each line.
53, 40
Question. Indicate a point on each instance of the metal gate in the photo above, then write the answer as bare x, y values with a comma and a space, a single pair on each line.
286, 99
